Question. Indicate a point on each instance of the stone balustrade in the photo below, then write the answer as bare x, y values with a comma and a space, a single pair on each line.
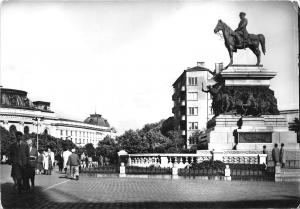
180, 160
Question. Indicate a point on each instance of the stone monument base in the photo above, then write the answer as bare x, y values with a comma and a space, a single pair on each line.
253, 134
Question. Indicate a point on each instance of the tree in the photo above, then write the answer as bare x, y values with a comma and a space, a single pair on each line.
6, 140
108, 148
90, 150
153, 140
132, 142
177, 140
168, 125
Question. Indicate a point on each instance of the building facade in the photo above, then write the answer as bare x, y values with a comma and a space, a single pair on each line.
192, 106
18, 112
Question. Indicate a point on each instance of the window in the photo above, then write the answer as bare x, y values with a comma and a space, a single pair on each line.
193, 110
71, 133
193, 81
61, 132
75, 133
193, 125
192, 96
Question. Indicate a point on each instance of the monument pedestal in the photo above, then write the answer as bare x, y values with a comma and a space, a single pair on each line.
254, 133
246, 92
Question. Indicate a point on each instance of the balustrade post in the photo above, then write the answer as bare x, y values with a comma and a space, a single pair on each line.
175, 172
227, 173
122, 170
129, 161
262, 158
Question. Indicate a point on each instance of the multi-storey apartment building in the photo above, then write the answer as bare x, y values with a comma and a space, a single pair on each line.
192, 106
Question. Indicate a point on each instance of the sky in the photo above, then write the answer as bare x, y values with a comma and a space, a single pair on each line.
120, 58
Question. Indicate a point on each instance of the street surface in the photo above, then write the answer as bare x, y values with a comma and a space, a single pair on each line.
112, 192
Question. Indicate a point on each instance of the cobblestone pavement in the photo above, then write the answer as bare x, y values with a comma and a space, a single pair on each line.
54, 192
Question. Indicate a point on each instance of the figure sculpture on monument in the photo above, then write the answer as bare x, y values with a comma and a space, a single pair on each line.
232, 39
216, 98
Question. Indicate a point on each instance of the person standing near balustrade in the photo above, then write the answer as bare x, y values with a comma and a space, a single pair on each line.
275, 154
282, 155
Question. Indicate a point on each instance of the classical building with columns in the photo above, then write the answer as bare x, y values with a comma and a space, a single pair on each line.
18, 112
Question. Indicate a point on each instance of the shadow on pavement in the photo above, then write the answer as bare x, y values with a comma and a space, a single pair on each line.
39, 199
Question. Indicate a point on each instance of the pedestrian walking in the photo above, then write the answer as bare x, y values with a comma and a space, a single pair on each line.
50, 160
60, 162
33, 155
282, 155
66, 155
39, 165
275, 154
45, 162
19, 157
74, 163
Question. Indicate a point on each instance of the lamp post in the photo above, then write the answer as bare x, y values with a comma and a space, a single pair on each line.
37, 119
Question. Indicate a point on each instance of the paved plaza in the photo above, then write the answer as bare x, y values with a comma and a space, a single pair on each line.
57, 192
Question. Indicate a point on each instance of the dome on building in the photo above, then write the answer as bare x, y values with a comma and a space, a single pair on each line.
97, 119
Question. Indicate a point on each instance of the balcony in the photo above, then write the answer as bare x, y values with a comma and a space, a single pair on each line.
175, 96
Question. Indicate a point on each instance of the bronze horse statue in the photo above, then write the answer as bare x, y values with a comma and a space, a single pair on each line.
252, 42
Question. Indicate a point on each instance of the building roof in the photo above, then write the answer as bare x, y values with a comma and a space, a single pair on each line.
97, 119
197, 68
41, 102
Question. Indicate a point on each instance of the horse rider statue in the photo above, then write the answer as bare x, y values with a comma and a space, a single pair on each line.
241, 34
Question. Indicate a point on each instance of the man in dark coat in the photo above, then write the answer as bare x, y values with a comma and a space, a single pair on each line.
275, 154
33, 154
19, 157
74, 163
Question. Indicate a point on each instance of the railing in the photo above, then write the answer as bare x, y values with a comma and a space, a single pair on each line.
237, 172
147, 170
292, 164
183, 160
101, 169
193, 172
256, 172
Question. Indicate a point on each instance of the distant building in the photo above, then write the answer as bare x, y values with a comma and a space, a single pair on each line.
290, 114
18, 112
192, 107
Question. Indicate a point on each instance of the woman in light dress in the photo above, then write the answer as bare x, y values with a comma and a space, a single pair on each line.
45, 162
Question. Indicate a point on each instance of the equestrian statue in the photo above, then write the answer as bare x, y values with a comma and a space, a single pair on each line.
241, 39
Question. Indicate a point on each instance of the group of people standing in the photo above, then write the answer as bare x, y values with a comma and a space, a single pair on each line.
279, 155
45, 162
23, 158
27, 162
